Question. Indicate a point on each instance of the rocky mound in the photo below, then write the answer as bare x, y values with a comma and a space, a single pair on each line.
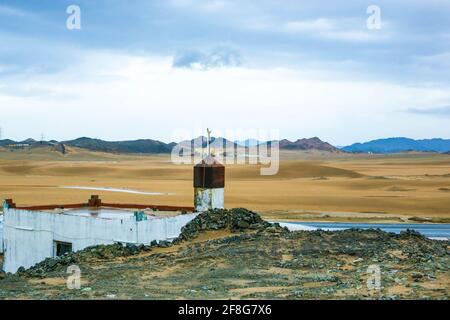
90, 254
235, 220
241, 220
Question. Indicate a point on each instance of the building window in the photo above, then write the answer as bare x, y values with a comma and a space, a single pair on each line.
62, 248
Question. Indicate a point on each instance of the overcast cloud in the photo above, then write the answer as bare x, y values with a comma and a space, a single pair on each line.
143, 69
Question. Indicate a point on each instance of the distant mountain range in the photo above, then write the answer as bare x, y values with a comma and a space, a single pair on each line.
396, 145
148, 146
29, 142
154, 146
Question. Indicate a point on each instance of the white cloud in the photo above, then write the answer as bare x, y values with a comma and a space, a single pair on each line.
117, 96
346, 29
434, 111
11, 11
219, 57
351, 35
207, 6
317, 25
436, 60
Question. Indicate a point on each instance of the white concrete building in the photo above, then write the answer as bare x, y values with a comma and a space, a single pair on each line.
1, 233
31, 236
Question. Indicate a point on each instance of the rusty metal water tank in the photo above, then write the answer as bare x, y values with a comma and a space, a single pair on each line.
209, 174
209, 185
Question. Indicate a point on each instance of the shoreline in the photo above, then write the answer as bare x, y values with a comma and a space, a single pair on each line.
351, 217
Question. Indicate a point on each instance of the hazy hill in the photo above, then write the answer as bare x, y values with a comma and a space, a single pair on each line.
30, 142
301, 144
249, 142
148, 146
396, 145
202, 142
133, 146
6, 142
308, 144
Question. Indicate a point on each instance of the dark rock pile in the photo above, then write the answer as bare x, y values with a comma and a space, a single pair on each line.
101, 252
411, 234
235, 220
291, 265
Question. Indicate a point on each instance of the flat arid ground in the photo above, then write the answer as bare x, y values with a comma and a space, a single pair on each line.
308, 187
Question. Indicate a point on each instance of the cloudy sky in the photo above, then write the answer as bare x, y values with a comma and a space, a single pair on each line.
150, 69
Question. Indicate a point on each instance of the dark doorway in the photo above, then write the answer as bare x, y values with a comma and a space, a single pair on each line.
62, 248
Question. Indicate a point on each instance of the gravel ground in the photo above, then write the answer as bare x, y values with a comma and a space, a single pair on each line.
234, 254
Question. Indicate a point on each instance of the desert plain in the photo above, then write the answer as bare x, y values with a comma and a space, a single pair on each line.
310, 186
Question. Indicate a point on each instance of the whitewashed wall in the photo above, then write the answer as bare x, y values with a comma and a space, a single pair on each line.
1, 233
29, 235
206, 198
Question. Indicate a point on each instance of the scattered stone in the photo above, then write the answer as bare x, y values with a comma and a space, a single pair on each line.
164, 244
411, 234
243, 224
236, 220
90, 254
417, 276
314, 265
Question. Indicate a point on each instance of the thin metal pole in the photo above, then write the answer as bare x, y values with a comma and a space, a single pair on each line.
209, 141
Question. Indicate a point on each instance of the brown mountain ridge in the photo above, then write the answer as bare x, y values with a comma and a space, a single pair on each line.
154, 147
308, 144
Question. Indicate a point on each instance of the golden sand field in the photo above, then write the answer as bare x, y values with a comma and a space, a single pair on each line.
309, 186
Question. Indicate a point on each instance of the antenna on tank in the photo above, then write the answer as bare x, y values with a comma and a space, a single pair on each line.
209, 181
209, 141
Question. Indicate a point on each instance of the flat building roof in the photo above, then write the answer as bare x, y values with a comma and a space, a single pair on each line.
113, 213
96, 208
